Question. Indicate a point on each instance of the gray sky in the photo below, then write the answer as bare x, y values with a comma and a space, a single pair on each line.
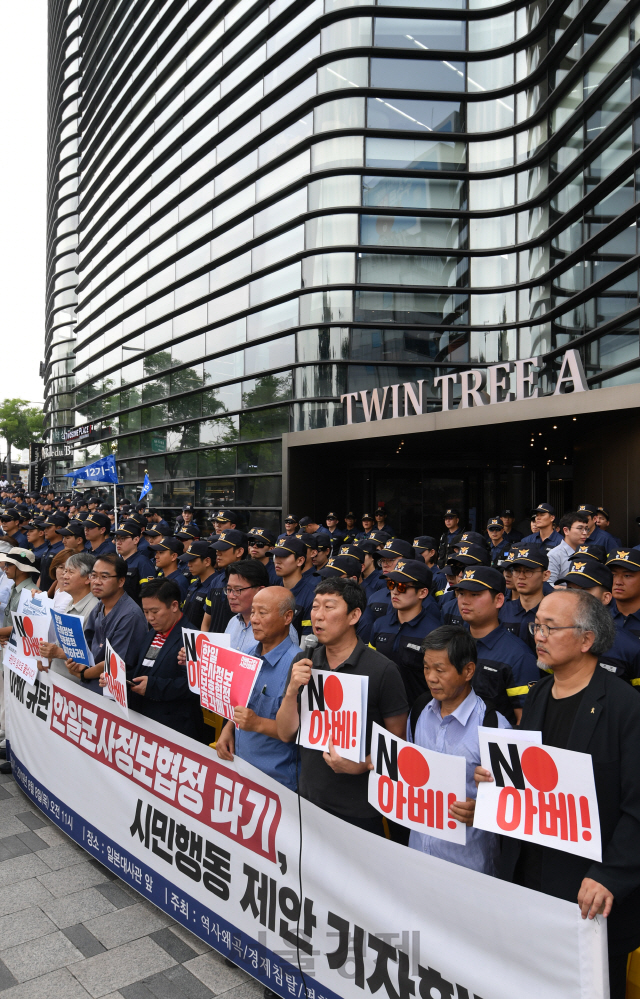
23, 126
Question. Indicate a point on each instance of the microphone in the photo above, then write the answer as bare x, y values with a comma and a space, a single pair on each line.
309, 643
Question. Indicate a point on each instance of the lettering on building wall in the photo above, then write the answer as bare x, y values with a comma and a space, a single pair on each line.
478, 387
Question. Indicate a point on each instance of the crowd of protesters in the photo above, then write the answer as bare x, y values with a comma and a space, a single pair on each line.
538, 629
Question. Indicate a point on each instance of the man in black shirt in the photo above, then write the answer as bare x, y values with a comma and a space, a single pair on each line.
587, 710
328, 780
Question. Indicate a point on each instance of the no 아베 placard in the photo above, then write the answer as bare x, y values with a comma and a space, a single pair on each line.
540, 794
334, 706
415, 787
193, 644
115, 672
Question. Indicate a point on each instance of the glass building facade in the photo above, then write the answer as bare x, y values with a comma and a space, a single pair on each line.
257, 207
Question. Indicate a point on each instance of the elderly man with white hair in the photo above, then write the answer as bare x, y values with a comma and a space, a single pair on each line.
74, 597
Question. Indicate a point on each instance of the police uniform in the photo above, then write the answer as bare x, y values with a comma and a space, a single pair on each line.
194, 605
289, 519
45, 563
372, 582
337, 535
628, 559
447, 539
402, 641
106, 548
139, 571
266, 539
365, 535
180, 580
512, 614
304, 592
217, 605
380, 599
468, 555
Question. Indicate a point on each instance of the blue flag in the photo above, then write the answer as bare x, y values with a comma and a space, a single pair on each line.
102, 470
146, 487
45, 483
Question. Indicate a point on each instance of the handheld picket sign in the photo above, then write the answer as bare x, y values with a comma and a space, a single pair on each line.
116, 673
30, 627
193, 641
415, 787
540, 794
335, 706
70, 638
226, 678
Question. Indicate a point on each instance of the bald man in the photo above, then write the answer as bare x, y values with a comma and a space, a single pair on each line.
255, 739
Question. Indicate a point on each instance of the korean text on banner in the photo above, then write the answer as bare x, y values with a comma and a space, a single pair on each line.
193, 641
70, 636
415, 787
30, 626
334, 706
225, 678
215, 846
540, 794
115, 672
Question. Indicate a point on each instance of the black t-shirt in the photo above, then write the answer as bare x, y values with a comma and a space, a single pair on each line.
347, 794
558, 722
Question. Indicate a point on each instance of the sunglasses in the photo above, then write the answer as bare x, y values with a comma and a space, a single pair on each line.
392, 585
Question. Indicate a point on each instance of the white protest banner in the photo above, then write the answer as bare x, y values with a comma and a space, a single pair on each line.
193, 641
540, 794
398, 785
334, 706
30, 626
225, 678
215, 846
26, 668
115, 672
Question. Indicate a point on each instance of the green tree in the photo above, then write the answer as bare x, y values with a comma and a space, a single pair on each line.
20, 424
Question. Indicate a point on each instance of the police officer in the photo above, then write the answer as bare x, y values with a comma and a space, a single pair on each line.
506, 666
323, 553
367, 527
596, 535
261, 544
382, 522
623, 658
543, 517
231, 546
139, 568
499, 543
54, 545
337, 536
186, 518
167, 551
155, 518
466, 556
340, 566
380, 536
452, 533
413, 614
97, 527
36, 539
508, 518
311, 543
289, 555
200, 559
625, 606
372, 578
224, 520
350, 529
11, 521
426, 548
380, 600
530, 569
291, 524
353, 552
73, 539
154, 532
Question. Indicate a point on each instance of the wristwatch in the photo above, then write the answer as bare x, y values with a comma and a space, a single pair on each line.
82, 675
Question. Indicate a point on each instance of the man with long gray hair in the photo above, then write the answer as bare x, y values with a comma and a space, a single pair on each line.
588, 710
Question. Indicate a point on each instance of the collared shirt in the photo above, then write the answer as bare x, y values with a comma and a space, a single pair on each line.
372, 583
242, 639
600, 537
273, 757
552, 541
630, 622
107, 547
517, 620
402, 643
505, 668
39, 551
124, 627
439, 583
82, 609
274, 578
457, 735
45, 562
194, 605
304, 592
512, 537
496, 552
559, 563
181, 581
139, 571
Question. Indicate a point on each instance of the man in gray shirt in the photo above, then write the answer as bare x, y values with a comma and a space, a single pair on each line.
574, 528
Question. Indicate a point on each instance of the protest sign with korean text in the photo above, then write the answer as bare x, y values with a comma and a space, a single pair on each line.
30, 627
225, 678
415, 787
70, 638
334, 706
540, 794
215, 845
115, 672
193, 642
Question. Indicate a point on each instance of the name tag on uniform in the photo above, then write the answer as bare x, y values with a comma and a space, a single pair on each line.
415, 647
148, 663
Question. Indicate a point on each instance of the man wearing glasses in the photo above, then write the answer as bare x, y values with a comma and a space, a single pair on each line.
529, 565
587, 710
413, 615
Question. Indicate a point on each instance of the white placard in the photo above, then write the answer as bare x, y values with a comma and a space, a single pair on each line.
333, 706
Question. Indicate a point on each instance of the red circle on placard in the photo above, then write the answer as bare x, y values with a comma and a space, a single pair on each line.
199, 640
113, 666
413, 767
333, 693
539, 768
27, 624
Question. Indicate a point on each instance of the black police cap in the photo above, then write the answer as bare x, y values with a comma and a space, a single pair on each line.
415, 572
483, 577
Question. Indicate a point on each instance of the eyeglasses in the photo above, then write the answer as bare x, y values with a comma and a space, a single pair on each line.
392, 584
527, 573
102, 575
544, 630
235, 590
256, 544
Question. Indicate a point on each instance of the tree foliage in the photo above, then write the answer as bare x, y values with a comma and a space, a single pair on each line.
20, 424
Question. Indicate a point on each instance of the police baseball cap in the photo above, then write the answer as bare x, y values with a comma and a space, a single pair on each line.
597, 552
351, 552
224, 517
332, 516
470, 555
495, 524
56, 520
168, 544
366, 516
230, 539
291, 519
380, 536
350, 516
95, 520
258, 535
368, 545
74, 529
529, 555
11, 513
483, 577
450, 512
187, 508
396, 548
413, 571
22, 558
305, 521
289, 546
472, 538
603, 510
199, 549
586, 573
128, 529
587, 508
424, 543
320, 541
188, 531
543, 508
158, 531
624, 558
508, 513
341, 565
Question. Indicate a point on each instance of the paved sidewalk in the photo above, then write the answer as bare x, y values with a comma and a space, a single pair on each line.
70, 929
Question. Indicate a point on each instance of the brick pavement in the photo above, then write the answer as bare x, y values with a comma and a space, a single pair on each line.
69, 929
